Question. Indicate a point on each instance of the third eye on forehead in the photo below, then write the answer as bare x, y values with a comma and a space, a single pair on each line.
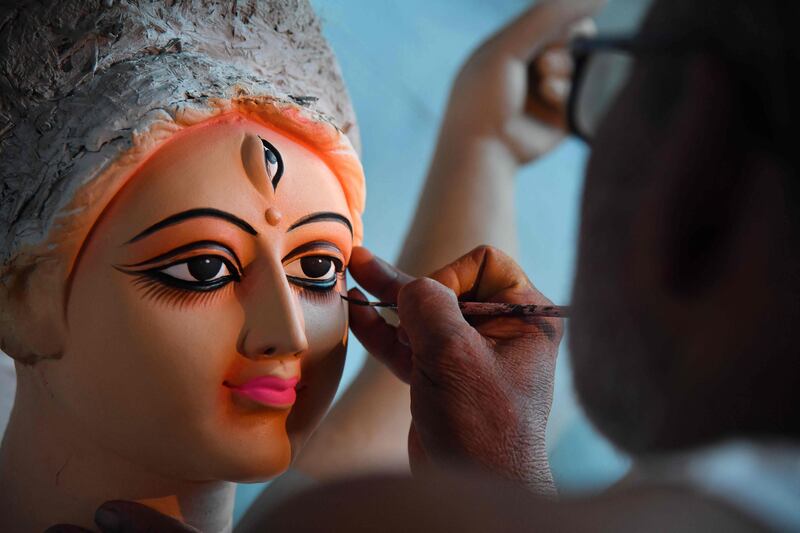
273, 162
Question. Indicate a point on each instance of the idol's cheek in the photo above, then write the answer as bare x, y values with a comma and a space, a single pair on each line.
314, 396
325, 322
326, 330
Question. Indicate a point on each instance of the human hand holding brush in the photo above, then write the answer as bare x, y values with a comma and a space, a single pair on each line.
481, 387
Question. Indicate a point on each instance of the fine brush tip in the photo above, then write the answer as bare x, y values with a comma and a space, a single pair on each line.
364, 303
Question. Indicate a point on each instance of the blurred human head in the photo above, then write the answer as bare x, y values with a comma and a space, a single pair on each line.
689, 266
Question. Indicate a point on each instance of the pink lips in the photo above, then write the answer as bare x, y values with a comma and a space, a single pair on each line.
271, 391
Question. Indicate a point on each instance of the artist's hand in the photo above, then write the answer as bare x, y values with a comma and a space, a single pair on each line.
514, 87
128, 517
480, 390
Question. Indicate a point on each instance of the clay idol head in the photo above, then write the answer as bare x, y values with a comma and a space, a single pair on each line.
180, 197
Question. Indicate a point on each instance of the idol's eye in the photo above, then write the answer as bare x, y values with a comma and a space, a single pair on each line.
204, 268
318, 272
273, 161
204, 273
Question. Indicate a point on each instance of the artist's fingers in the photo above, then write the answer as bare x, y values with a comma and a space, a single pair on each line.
553, 70
120, 516
554, 66
544, 23
555, 62
434, 324
379, 338
485, 273
555, 91
376, 275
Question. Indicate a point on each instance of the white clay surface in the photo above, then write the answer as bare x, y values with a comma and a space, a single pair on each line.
79, 78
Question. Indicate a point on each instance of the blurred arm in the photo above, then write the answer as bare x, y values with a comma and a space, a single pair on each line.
487, 133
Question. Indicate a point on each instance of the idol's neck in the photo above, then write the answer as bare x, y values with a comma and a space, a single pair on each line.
50, 473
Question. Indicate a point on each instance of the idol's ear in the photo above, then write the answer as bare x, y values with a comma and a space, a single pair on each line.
32, 320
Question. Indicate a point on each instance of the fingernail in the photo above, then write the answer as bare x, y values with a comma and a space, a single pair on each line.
355, 294
107, 519
402, 337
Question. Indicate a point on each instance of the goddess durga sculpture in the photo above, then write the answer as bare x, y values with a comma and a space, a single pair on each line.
180, 196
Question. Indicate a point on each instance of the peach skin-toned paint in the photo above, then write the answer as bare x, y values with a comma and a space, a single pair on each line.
168, 390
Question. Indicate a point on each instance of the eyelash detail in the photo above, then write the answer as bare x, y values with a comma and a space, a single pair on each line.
157, 291
318, 296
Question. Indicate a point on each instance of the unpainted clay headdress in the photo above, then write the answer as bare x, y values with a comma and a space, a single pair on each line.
89, 88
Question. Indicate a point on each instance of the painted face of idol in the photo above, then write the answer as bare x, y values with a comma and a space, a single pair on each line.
206, 335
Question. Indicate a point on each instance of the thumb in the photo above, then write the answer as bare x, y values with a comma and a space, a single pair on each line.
486, 274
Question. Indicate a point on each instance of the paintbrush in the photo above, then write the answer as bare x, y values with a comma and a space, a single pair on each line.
487, 308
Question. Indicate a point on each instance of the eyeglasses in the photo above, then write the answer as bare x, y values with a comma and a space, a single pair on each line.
602, 67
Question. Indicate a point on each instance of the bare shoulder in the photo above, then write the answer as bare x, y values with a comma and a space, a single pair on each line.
474, 502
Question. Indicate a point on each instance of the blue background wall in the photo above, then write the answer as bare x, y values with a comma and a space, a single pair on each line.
399, 59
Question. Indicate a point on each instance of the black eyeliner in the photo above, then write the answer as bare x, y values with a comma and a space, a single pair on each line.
156, 275
314, 285
312, 246
187, 248
278, 160
170, 281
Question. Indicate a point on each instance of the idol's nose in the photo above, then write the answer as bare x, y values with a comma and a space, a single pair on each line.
274, 324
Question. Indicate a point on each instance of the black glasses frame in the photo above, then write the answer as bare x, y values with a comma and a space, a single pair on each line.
582, 49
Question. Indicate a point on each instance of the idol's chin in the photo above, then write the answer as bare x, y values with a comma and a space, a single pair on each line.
248, 460
254, 473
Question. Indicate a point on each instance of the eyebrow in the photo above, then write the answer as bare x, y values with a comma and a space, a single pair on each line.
195, 213
322, 217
